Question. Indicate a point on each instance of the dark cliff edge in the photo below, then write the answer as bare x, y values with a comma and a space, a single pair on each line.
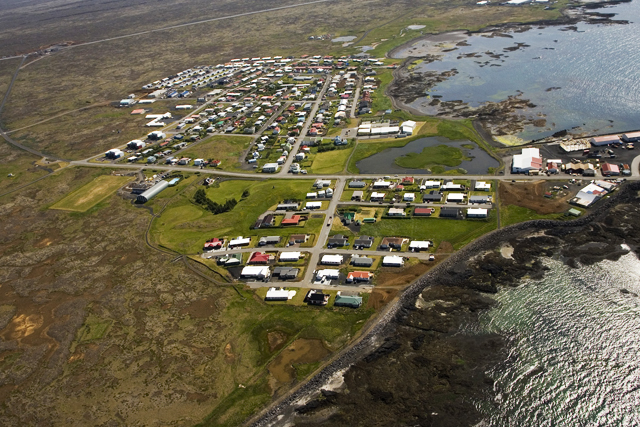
414, 367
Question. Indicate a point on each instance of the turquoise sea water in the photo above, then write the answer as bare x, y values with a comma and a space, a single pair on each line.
575, 348
588, 79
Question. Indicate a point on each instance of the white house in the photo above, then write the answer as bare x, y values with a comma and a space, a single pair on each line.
476, 213
482, 186
392, 261
376, 197
198, 162
455, 197
312, 195
327, 273
289, 256
331, 259
259, 272
419, 245
409, 197
381, 184
279, 294
450, 186
270, 168
313, 205
396, 212
239, 241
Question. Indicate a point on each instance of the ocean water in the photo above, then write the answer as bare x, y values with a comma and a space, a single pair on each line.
587, 79
575, 348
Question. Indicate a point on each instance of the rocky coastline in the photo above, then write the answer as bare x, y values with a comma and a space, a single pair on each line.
414, 367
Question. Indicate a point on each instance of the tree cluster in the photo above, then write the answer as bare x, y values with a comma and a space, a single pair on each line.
215, 208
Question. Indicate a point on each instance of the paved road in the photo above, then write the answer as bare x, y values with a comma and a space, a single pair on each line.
305, 128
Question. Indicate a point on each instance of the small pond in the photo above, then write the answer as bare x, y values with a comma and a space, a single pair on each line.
384, 161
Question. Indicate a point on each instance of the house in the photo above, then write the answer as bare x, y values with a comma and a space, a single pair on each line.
361, 261
285, 273
396, 212
409, 197
455, 197
357, 184
477, 213
381, 184
527, 161
377, 197
338, 240
255, 272
312, 195
213, 244
432, 196
259, 258
352, 301
451, 186
357, 195
482, 186
269, 240
294, 220
423, 211
313, 205
419, 245
609, 169
289, 256
315, 297
327, 274
114, 153
359, 276
239, 241
297, 238
392, 242
479, 199
408, 180
287, 206
279, 294
363, 242
451, 213
392, 261
270, 168
430, 184
331, 259
266, 221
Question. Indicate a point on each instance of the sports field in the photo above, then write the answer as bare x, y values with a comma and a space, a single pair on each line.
91, 194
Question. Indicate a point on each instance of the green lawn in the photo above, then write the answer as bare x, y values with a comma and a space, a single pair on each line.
457, 232
330, 162
228, 149
184, 226
514, 214
442, 155
91, 194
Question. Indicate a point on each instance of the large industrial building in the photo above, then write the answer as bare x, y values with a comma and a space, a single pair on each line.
152, 192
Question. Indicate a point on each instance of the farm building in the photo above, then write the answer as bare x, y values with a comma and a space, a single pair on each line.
152, 192
392, 261
477, 213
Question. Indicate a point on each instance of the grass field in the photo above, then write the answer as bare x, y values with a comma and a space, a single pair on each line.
91, 194
511, 214
184, 226
228, 149
330, 161
456, 232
